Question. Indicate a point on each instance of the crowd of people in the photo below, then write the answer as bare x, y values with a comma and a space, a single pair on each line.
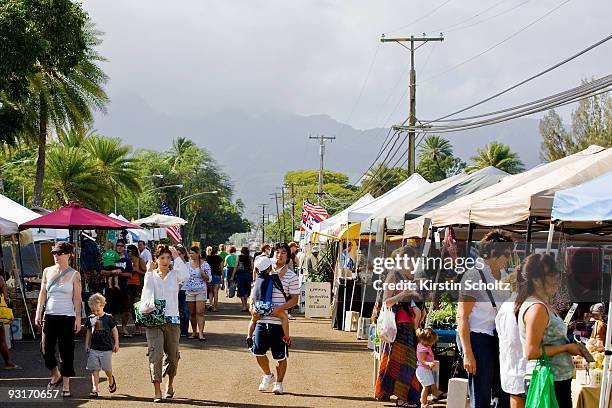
175, 285
500, 334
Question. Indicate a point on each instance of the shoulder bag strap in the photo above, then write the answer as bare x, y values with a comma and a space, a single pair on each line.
279, 285
56, 279
488, 291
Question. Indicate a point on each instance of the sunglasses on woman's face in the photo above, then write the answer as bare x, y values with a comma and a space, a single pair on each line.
58, 253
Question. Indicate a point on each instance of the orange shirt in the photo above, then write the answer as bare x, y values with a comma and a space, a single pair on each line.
137, 265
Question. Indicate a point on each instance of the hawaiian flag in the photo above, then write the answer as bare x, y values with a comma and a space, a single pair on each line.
311, 215
174, 232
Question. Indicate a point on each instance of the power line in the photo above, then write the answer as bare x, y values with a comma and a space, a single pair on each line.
539, 74
497, 44
458, 27
420, 18
567, 98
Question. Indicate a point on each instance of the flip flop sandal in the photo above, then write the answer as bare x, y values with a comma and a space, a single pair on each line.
93, 394
170, 395
55, 384
66, 394
202, 339
439, 397
112, 388
157, 400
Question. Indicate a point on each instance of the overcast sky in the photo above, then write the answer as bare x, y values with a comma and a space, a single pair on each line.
194, 57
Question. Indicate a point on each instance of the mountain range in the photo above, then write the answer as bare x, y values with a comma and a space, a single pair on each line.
256, 149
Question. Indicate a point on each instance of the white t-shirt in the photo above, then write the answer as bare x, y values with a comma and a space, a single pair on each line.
482, 318
512, 363
146, 255
291, 285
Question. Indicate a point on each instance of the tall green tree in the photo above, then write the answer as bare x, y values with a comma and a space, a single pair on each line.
381, 178
58, 100
436, 159
497, 155
72, 176
114, 165
591, 123
36, 36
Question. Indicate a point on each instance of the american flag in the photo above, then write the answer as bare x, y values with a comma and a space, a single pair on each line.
312, 214
174, 232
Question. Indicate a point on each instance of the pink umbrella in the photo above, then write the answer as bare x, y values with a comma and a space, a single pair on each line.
73, 216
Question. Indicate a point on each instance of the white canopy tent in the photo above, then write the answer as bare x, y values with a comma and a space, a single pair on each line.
13, 214
458, 211
588, 206
333, 225
404, 190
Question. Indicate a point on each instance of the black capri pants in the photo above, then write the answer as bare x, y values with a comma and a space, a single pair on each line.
59, 329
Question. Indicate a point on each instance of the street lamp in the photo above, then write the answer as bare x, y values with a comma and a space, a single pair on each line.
183, 200
156, 189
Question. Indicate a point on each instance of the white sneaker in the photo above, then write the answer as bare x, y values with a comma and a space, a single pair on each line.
278, 388
266, 381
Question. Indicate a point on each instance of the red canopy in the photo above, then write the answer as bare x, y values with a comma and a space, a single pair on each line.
73, 216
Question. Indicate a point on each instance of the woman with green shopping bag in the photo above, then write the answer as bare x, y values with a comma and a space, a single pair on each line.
544, 336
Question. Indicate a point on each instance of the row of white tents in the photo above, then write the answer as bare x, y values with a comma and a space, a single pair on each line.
571, 195
489, 197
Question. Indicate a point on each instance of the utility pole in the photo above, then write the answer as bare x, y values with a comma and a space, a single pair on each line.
322, 140
282, 188
275, 194
412, 118
263, 222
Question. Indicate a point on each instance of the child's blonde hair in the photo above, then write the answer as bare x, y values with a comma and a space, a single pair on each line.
427, 336
96, 299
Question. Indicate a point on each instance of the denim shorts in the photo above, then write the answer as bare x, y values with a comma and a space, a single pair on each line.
216, 280
270, 336
99, 360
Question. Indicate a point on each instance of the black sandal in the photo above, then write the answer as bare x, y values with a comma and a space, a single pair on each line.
55, 384
93, 394
112, 388
66, 394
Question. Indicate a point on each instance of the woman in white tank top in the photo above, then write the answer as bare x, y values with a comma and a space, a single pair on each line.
60, 296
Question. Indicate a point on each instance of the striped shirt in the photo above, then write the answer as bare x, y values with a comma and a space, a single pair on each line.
291, 285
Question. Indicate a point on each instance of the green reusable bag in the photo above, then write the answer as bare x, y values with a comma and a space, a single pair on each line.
153, 319
541, 393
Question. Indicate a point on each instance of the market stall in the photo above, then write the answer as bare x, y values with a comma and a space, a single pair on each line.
587, 208
75, 218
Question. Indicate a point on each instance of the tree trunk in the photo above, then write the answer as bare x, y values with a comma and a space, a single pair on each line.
42, 150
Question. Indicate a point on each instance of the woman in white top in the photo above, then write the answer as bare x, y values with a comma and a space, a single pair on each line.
476, 313
60, 296
512, 363
195, 291
163, 341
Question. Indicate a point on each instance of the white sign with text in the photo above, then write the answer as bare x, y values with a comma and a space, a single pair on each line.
318, 299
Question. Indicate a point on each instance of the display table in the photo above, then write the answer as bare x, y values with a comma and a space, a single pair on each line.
585, 396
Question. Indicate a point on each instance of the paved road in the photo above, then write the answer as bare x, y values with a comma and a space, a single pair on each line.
326, 368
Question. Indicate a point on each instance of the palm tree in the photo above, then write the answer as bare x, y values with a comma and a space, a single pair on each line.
497, 155
182, 148
72, 176
57, 100
380, 179
435, 149
113, 164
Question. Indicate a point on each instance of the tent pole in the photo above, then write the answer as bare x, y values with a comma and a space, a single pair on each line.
367, 266
468, 244
5, 276
551, 232
528, 242
25, 303
604, 393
